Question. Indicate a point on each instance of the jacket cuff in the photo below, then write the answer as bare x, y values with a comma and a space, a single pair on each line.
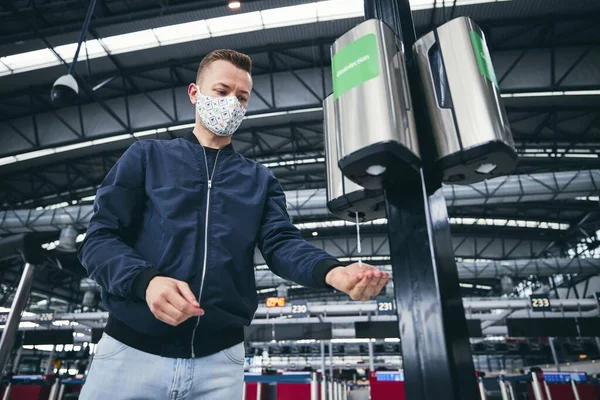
321, 270
141, 281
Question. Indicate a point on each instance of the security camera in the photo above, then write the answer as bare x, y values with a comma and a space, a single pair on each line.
65, 91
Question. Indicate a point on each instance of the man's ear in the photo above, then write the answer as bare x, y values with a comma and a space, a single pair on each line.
193, 92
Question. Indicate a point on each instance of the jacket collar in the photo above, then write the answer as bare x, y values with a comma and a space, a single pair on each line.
190, 137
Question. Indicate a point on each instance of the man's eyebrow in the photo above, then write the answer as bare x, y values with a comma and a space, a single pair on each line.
223, 84
226, 86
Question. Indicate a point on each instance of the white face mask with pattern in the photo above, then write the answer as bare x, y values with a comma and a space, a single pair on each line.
220, 115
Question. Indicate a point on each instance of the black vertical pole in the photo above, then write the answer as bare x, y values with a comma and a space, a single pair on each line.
435, 341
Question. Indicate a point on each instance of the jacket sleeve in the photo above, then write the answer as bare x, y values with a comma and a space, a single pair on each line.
284, 249
106, 252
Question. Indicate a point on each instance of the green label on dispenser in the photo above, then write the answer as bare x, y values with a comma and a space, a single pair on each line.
355, 64
484, 60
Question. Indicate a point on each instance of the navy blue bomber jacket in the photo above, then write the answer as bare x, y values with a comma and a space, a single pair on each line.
177, 209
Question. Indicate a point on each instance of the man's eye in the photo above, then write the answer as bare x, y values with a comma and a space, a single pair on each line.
221, 92
242, 99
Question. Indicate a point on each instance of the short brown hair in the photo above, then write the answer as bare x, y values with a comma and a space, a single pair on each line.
238, 59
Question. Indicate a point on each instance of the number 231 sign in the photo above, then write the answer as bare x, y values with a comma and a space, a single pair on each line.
385, 306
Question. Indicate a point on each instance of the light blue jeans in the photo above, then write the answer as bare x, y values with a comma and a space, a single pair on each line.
120, 372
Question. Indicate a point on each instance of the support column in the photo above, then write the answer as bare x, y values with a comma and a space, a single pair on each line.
503, 389
54, 390
50, 367
314, 386
511, 391
575, 391
554, 287
554, 356
14, 316
482, 392
547, 391
537, 388
331, 371
323, 370
435, 340
371, 357
61, 392
6, 395
272, 388
17, 361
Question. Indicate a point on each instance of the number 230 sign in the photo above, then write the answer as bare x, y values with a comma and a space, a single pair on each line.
299, 309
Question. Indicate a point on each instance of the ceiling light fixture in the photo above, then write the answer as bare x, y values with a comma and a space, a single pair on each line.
234, 5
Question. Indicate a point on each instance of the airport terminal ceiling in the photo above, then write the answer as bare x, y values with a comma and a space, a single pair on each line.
539, 226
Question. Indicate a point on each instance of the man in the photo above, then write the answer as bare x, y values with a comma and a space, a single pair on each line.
172, 241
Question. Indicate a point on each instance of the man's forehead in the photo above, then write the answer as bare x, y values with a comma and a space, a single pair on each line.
222, 67
227, 73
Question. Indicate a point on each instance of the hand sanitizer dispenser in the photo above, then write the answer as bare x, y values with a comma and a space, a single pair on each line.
346, 199
377, 138
472, 135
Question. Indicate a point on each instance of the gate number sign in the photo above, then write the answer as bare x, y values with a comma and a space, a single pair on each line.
299, 309
540, 302
385, 306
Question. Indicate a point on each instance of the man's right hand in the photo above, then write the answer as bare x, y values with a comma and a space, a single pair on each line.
171, 301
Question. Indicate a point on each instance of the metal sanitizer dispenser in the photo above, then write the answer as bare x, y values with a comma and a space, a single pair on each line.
472, 135
345, 198
377, 136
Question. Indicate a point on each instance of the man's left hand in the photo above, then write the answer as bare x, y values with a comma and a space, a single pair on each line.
359, 281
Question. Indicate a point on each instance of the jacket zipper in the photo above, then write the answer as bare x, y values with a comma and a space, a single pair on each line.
210, 179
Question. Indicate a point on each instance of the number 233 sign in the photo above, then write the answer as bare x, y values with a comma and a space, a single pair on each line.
540, 302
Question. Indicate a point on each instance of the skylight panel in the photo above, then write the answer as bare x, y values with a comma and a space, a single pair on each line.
34, 154
288, 16
470, 2
131, 41
227, 25
42, 58
179, 33
421, 4
233, 24
428, 4
91, 49
339, 9
4, 70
